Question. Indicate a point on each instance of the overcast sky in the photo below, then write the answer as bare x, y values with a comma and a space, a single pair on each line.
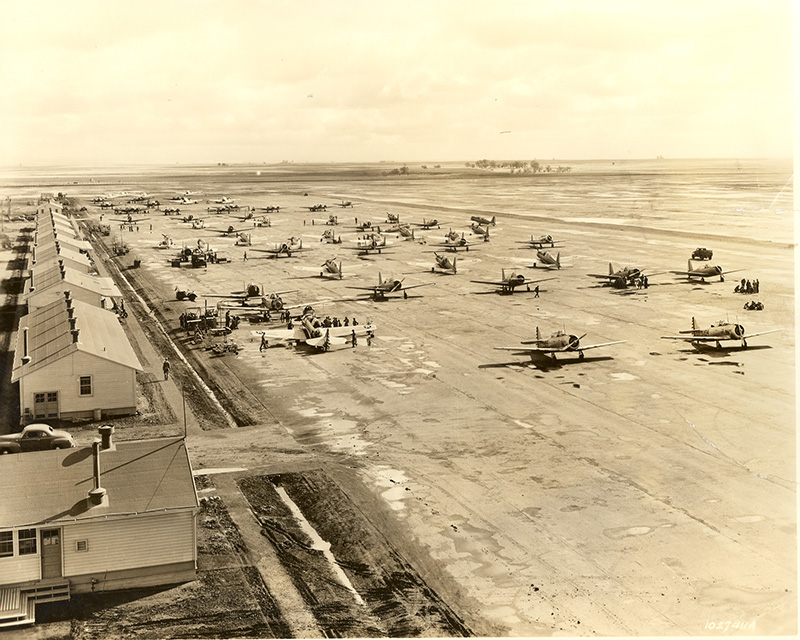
194, 81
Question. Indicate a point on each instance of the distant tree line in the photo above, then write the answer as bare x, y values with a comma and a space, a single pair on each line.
518, 166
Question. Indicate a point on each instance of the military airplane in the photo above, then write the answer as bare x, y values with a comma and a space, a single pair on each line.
223, 200
373, 242
292, 245
722, 330
98, 200
243, 239
444, 263
367, 226
455, 242
309, 330
541, 241
478, 230
166, 243
621, 278
392, 217
317, 207
705, 272
250, 292
129, 219
198, 223
508, 283
330, 268
230, 231
547, 260
221, 209
330, 237
558, 342
269, 209
344, 204
484, 221
428, 224
152, 204
106, 205
170, 210
332, 220
406, 232
379, 291
182, 200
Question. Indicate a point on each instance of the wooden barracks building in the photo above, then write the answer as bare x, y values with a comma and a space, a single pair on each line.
92, 519
73, 361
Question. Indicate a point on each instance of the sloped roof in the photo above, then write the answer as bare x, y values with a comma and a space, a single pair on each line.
53, 250
51, 486
50, 338
49, 275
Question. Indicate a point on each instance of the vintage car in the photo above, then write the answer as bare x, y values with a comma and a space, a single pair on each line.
36, 437
702, 253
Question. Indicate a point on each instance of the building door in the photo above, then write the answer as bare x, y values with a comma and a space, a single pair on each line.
45, 405
51, 553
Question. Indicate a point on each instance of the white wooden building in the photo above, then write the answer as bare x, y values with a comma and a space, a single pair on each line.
47, 283
73, 361
50, 253
97, 519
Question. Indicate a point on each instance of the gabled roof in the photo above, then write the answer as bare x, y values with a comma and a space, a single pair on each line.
50, 337
53, 251
51, 486
50, 275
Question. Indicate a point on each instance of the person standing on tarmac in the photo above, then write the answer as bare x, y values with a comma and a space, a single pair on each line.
166, 367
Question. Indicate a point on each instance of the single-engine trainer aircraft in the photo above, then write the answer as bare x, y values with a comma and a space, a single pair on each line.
129, 219
478, 230
508, 283
392, 217
722, 330
484, 221
558, 342
332, 220
454, 242
330, 268
249, 292
547, 260
445, 264
345, 203
379, 291
317, 207
428, 224
705, 272
308, 329
541, 241
375, 242
330, 237
621, 278
292, 245
230, 231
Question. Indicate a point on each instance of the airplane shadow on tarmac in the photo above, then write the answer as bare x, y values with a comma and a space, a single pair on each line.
723, 352
545, 363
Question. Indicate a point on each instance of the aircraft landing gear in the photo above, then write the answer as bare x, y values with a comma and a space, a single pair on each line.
581, 355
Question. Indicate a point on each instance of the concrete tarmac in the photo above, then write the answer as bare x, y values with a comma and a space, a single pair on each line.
647, 489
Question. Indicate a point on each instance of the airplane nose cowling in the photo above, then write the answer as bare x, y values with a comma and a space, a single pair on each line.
574, 342
739, 329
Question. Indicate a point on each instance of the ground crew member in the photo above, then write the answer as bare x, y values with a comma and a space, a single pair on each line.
353, 336
264, 343
536, 291
165, 367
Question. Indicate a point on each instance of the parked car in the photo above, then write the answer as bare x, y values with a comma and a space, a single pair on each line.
702, 253
36, 437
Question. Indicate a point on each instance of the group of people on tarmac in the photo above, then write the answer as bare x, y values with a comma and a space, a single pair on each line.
747, 287
641, 282
754, 305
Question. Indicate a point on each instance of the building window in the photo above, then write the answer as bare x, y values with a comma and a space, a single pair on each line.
86, 385
52, 396
38, 397
27, 541
6, 544
81, 545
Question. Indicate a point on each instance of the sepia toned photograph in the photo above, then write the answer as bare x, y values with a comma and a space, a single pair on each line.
422, 319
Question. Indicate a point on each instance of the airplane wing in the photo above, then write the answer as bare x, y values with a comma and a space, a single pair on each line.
600, 344
612, 277
495, 283
698, 338
761, 333
414, 286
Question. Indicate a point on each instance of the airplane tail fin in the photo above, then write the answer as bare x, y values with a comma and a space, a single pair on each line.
494, 218
694, 324
610, 269
380, 279
538, 335
690, 264
454, 263
558, 260
341, 275
503, 273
